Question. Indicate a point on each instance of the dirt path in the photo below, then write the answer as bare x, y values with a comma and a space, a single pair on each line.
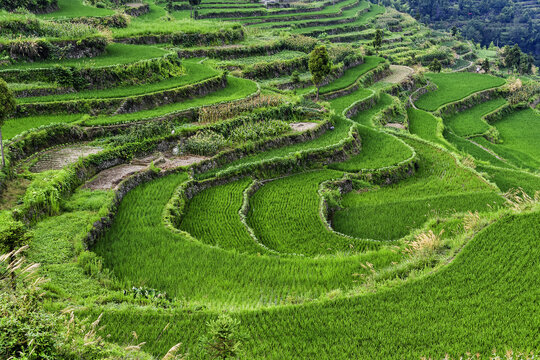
487, 150
399, 73
109, 179
56, 159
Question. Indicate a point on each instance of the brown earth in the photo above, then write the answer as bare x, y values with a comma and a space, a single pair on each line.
303, 126
56, 159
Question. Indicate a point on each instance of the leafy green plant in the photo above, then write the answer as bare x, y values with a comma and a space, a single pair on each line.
223, 340
204, 143
319, 66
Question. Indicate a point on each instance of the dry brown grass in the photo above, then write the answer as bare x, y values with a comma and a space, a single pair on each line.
211, 114
518, 200
424, 244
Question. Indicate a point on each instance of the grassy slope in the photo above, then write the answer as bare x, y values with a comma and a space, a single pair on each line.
455, 86
236, 89
330, 137
115, 54
75, 9
437, 188
352, 74
520, 132
141, 251
195, 72
469, 122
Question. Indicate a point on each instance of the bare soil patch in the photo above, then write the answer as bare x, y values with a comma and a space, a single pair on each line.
399, 73
56, 159
395, 126
303, 126
110, 178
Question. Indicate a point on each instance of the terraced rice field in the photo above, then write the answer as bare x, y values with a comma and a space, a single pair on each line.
359, 226
470, 122
455, 86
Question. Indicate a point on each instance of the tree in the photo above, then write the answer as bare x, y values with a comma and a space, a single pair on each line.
224, 339
377, 41
512, 57
7, 107
193, 4
486, 65
454, 30
435, 66
319, 66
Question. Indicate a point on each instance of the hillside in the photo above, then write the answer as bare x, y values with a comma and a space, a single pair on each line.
178, 185
486, 21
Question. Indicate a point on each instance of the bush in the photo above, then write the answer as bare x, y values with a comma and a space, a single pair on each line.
12, 233
258, 131
223, 340
37, 6
204, 143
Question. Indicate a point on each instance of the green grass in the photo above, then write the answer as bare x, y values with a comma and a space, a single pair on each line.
519, 132
427, 126
507, 179
455, 86
352, 74
75, 9
470, 122
14, 127
212, 217
250, 60
115, 54
438, 187
379, 150
284, 214
236, 89
364, 117
141, 251
195, 72
484, 299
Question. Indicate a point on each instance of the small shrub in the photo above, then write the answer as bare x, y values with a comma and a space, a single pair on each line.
204, 143
223, 340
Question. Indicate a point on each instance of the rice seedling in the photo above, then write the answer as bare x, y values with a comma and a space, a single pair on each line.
470, 122
455, 86
352, 74
379, 150
439, 188
284, 214
518, 146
